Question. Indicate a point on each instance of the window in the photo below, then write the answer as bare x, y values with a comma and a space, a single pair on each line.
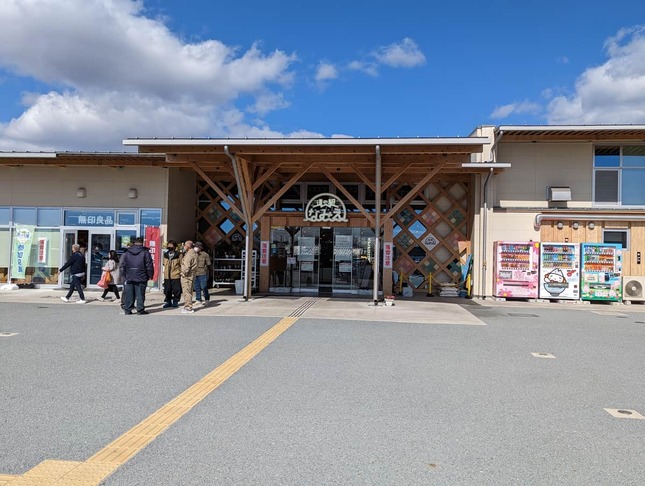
620, 236
619, 175
24, 216
49, 217
5, 216
126, 218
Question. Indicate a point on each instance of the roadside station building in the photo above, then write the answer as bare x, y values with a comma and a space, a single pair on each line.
315, 206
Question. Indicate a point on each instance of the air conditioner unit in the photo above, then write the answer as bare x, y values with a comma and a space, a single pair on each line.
634, 288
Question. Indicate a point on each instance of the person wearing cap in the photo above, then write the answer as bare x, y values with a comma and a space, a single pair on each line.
201, 274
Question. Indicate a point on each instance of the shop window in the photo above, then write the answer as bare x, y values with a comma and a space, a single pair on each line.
41, 259
619, 175
5, 216
49, 217
24, 216
5, 253
620, 236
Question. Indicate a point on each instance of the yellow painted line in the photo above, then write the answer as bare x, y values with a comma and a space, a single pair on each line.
102, 464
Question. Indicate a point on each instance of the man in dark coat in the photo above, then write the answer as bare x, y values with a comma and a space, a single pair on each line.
77, 266
137, 268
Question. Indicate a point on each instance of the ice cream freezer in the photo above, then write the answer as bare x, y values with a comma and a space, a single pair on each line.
600, 275
516, 269
559, 271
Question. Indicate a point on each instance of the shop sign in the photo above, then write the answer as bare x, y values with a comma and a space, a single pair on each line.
89, 218
326, 208
42, 250
264, 253
387, 254
430, 242
153, 242
21, 250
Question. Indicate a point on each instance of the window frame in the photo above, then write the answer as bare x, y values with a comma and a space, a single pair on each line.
626, 231
619, 169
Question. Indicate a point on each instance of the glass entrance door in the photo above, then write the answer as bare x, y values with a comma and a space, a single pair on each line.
99, 250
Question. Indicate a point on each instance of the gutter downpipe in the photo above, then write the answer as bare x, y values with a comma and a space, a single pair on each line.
377, 224
247, 241
493, 156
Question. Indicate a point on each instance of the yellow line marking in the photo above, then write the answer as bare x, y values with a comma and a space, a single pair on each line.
111, 457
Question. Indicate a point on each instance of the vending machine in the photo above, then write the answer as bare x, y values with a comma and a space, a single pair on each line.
559, 271
600, 276
516, 269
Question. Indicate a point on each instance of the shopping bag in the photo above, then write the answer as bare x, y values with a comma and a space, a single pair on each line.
107, 277
102, 283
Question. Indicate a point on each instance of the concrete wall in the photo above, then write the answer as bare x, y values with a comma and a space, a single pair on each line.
106, 187
182, 194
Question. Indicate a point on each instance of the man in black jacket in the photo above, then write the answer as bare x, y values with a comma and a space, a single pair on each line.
137, 268
77, 267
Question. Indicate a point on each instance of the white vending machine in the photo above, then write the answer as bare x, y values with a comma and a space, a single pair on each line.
560, 271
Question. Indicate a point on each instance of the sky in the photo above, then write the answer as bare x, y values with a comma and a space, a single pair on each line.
86, 74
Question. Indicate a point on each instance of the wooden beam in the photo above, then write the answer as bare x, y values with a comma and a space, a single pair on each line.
265, 176
245, 175
418, 187
395, 176
363, 177
219, 192
340, 187
279, 194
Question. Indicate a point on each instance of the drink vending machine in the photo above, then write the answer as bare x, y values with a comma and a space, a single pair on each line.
601, 272
516, 269
559, 271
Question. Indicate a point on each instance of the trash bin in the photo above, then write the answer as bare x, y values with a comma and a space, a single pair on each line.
239, 287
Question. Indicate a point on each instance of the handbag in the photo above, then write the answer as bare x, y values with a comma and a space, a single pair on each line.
107, 275
103, 283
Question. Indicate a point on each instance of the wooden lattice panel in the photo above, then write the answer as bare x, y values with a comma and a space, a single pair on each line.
428, 230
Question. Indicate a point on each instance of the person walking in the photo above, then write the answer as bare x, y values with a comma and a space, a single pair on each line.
172, 275
188, 266
201, 274
77, 267
112, 267
137, 267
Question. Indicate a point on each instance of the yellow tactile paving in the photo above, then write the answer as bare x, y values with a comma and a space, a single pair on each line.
107, 460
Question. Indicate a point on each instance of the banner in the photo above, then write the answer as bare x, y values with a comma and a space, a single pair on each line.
388, 250
153, 242
264, 253
21, 250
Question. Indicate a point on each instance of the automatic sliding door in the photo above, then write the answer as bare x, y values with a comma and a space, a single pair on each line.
343, 243
307, 251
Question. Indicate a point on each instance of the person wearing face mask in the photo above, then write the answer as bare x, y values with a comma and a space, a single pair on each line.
171, 275
201, 274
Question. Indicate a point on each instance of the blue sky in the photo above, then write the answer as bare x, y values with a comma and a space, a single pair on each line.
84, 74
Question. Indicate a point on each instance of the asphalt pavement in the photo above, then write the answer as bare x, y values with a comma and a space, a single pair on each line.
425, 392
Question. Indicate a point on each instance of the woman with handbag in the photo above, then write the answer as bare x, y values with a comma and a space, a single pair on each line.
110, 276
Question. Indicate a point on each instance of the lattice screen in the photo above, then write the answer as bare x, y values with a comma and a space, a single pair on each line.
427, 232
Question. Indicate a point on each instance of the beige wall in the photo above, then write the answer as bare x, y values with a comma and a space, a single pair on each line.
181, 204
538, 165
106, 187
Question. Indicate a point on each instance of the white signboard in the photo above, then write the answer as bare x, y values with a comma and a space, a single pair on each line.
430, 241
326, 207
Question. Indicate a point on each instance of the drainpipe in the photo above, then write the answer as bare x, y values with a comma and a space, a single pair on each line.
248, 260
377, 224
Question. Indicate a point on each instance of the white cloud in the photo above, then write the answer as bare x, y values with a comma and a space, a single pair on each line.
123, 74
521, 107
326, 72
369, 68
613, 92
404, 54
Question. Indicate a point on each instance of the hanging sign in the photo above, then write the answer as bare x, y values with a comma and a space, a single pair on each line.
387, 254
264, 253
430, 241
326, 208
21, 250
153, 242
42, 250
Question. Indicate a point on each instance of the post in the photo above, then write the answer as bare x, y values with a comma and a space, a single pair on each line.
377, 224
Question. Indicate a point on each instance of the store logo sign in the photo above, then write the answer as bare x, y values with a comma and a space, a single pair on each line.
327, 208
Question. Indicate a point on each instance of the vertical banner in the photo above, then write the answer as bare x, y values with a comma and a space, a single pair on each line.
21, 250
387, 254
42, 250
264, 253
153, 242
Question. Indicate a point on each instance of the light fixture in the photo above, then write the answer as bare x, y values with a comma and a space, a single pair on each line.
81, 192
560, 225
133, 193
591, 226
575, 225
558, 193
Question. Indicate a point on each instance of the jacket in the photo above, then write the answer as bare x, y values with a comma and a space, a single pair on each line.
76, 264
203, 262
112, 267
172, 266
137, 265
189, 264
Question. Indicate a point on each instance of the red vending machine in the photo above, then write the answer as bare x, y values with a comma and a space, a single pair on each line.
516, 269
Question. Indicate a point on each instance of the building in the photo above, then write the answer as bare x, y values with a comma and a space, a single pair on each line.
313, 208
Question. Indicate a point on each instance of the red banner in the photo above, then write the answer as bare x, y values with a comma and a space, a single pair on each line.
153, 242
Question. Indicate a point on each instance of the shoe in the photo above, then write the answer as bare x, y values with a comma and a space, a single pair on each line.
166, 305
143, 312
175, 303
127, 313
81, 302
206, 302
187, 311
101, 299
64, 299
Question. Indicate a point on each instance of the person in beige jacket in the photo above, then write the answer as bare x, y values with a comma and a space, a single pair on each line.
188, 267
